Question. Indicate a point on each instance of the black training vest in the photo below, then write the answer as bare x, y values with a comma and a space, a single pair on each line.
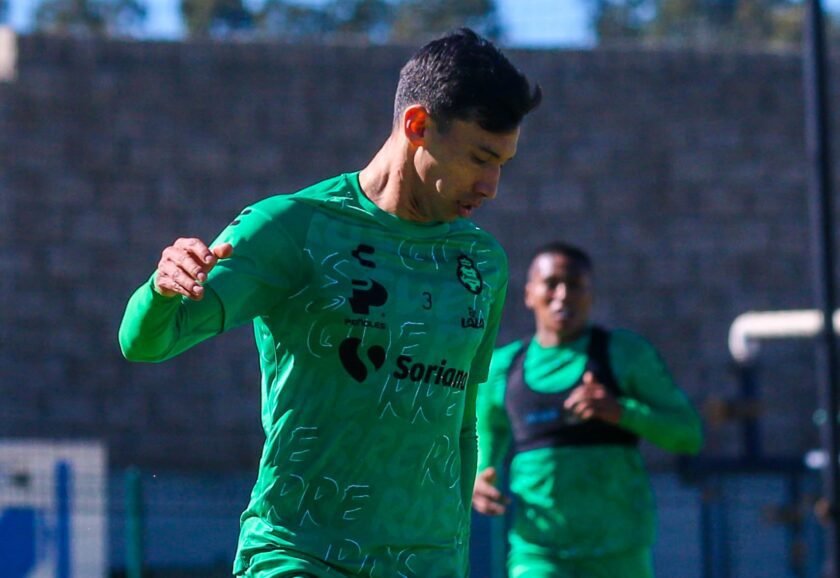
538, 420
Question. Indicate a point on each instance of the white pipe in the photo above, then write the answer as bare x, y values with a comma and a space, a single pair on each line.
748, 328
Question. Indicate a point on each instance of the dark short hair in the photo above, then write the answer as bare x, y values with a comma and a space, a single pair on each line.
571, 252
465, 77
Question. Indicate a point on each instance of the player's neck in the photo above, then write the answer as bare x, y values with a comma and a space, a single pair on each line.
387, 180
547, 338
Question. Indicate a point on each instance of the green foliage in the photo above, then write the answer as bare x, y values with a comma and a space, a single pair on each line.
358, 20
368, 19
699, 22
375, 21
425, 19
89, 17
216, 17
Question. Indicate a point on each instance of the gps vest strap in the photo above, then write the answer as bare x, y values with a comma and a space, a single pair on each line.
539, 420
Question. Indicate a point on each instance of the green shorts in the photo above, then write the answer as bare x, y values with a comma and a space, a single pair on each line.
632, 564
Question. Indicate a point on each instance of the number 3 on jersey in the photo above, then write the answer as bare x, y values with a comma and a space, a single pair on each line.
427, 300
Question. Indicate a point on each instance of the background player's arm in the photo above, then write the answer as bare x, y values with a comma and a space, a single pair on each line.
483, 372
494, 437
654, 407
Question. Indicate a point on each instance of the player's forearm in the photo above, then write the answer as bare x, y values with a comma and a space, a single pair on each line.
492, 446
155, 328
678, 430
469, 460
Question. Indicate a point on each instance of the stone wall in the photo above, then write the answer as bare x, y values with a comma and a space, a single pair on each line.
683, 173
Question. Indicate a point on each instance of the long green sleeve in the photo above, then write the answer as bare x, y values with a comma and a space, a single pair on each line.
654, 407
469, 446
155, 328
494, 434
469, 432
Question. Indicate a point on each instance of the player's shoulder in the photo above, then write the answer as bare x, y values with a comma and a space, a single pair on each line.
317, 193
630, 343
500, 365
503, 355
468, 228
294, 209
337, 188
510, 349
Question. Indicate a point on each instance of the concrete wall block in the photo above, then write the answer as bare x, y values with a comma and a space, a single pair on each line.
37, 302
94, 227
126, 408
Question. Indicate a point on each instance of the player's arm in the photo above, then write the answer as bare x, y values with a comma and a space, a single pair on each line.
494, 434
654, 407
173, 310
468, 444
478, 373
198, 292
493, 444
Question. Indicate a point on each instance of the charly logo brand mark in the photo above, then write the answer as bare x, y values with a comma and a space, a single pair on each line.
364, 250
367, 294
469, 275
348, 351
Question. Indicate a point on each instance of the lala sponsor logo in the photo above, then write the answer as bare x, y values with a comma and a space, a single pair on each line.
473, 320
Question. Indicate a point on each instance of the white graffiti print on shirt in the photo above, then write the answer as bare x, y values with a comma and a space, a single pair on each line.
349, 554
323, 501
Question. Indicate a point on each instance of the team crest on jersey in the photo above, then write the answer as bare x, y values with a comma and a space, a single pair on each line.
469, 275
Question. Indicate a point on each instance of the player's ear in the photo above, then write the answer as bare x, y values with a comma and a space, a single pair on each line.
529, 298
415, 122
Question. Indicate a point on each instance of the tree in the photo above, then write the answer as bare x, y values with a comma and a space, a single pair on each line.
420, 20
90, 17
375, 21
216, 17
718, 22
361, 19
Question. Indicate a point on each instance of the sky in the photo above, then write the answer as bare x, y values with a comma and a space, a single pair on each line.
529, 23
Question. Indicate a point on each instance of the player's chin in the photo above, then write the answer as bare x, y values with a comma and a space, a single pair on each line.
465, 211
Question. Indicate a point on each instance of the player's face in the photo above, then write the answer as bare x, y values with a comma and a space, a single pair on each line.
559, 292
460, 168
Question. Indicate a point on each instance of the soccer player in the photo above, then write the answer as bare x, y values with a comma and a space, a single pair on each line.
575, 399
375, 303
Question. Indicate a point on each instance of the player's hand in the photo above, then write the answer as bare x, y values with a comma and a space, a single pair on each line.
487, 499
184, 266
591, 400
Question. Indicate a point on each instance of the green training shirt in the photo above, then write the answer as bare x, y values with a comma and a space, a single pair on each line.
583, 502
373, 333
